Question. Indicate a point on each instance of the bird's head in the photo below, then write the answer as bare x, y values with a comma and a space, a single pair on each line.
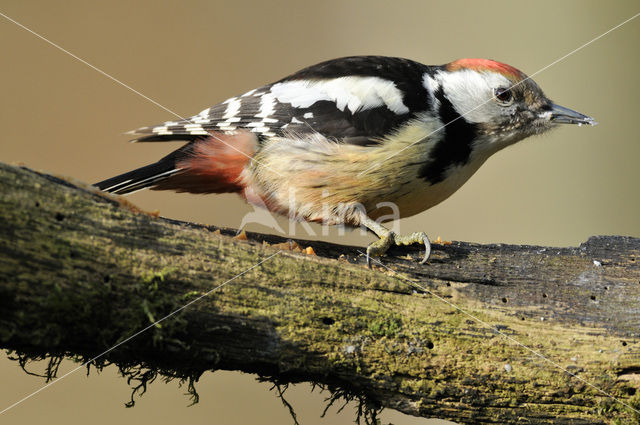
502, 103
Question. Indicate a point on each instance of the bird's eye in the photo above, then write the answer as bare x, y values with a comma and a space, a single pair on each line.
503, 96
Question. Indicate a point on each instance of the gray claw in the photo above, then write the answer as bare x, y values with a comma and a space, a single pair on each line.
427, 249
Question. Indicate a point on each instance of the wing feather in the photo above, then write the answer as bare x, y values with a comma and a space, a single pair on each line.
353, 100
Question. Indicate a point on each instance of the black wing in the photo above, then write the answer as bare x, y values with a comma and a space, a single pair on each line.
350, 100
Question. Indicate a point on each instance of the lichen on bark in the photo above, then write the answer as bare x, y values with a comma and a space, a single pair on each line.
460, 338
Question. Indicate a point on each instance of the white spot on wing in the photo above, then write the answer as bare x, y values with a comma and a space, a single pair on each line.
162, 130
233, 107
308, 115
354, 93
260, 129
295, 120
267, 105
227, 128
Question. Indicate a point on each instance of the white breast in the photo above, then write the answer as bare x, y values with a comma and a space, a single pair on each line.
421, 195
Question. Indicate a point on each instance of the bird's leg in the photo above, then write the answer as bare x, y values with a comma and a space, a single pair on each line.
388, 238
380, 246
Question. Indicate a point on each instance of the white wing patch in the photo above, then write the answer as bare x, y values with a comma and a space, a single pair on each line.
354, 93
348, 93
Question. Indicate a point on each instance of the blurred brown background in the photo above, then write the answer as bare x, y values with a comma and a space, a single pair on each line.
63, 117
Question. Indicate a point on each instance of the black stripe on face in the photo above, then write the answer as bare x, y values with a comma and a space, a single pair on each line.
455, 146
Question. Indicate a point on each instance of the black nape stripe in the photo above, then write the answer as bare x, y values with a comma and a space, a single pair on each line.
455, 146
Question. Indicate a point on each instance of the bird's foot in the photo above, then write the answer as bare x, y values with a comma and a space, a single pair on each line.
383, 244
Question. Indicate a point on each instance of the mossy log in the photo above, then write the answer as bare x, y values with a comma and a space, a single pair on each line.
480, 334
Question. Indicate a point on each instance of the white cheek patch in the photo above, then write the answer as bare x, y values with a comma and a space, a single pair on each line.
471, 93
354, 93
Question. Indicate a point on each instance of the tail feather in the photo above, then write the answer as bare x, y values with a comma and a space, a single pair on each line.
141, 178
207, 165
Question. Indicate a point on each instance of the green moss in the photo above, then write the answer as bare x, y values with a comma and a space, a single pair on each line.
608, 407
388, 326
339, 322
191, 294
152, 278
147, 311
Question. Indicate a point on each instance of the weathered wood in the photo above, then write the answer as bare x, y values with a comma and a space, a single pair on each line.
81, 271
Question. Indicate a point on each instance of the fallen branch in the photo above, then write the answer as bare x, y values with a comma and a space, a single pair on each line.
481, 334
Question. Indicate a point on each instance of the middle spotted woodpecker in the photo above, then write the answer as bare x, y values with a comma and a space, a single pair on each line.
334, 141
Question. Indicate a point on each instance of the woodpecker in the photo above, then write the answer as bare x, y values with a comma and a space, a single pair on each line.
333, 142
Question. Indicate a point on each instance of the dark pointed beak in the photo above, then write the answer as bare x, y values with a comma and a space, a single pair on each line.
561, 115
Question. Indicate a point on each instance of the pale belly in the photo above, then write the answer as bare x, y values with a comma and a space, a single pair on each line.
319, 180
422, 195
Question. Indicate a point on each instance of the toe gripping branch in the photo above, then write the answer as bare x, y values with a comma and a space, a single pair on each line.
388, 238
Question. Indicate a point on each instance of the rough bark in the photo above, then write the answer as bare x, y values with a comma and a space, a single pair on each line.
81, 271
